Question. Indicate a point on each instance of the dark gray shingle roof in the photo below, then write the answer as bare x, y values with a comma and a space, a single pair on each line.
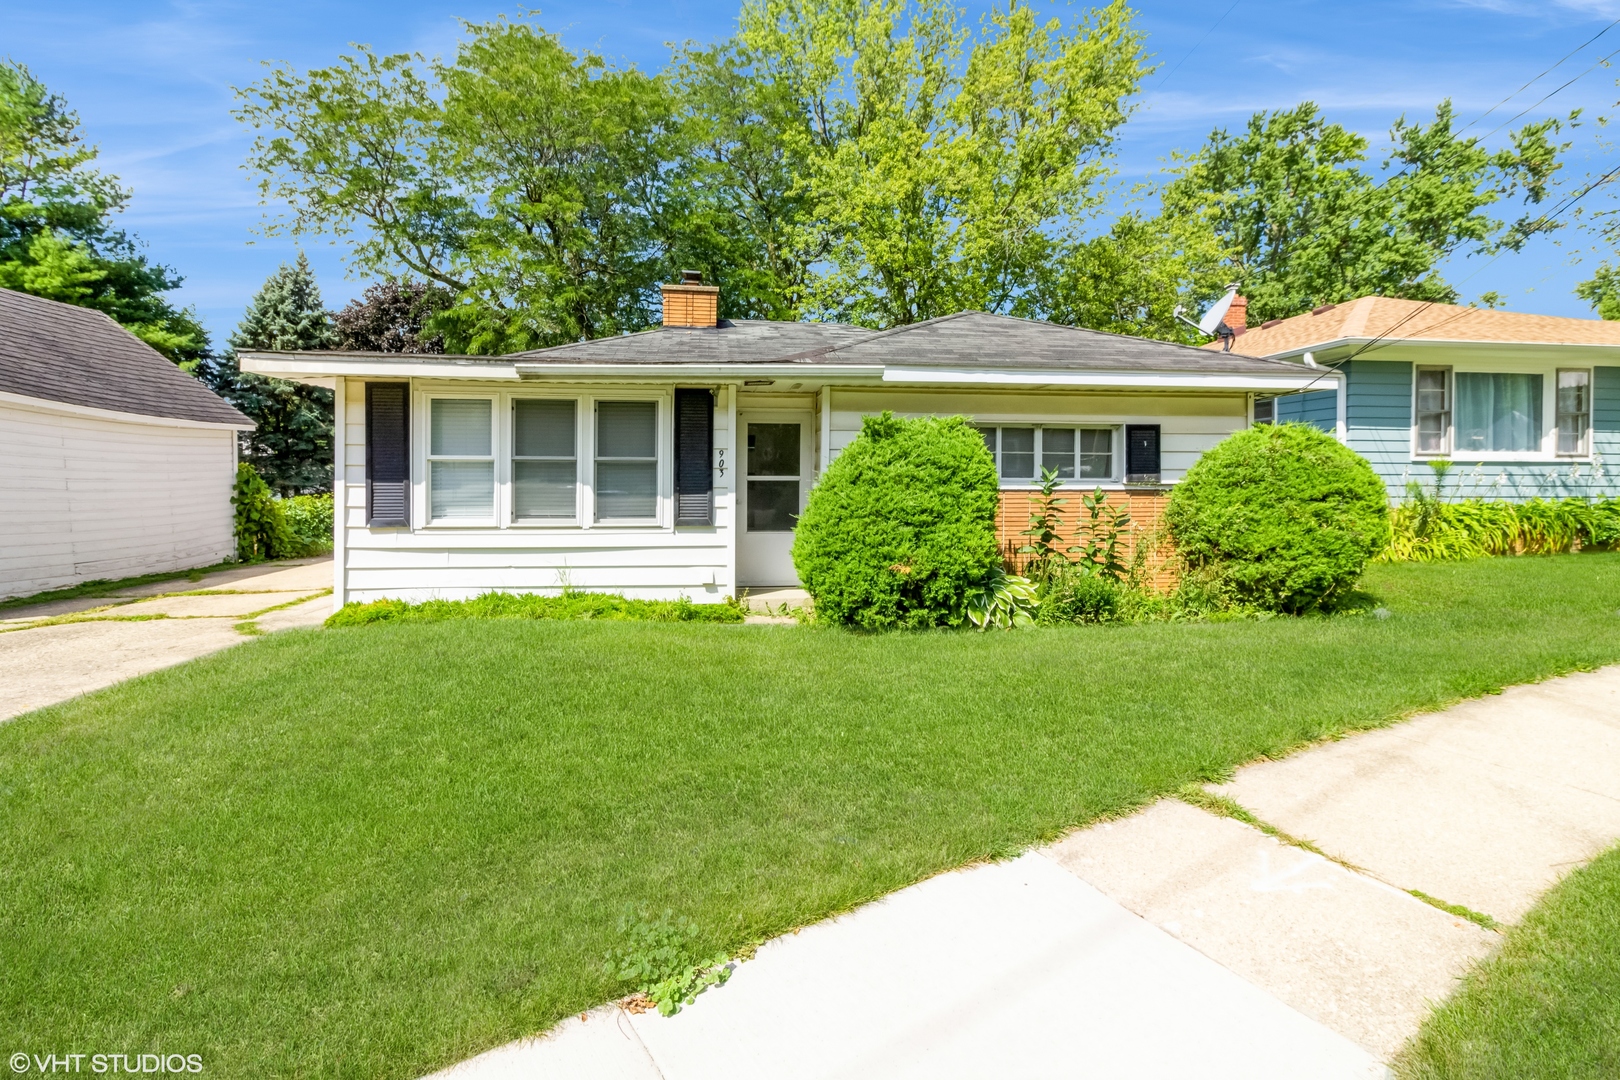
78, 356
740, 342
975, 339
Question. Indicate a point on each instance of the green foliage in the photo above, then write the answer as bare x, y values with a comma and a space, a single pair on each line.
392, 317
1079, 596
570, 605
309, 523
1004, 601
261, 529
292, 445
1103, 553
1047, 558
663, 960
1425, 528
1280, 516
57, 238
1302, 221
901, 525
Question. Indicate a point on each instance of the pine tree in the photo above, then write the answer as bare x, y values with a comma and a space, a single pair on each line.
292, 446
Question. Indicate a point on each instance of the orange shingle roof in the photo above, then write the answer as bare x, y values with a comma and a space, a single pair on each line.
1413, 320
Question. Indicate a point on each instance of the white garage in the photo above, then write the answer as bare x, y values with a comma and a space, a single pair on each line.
113, 462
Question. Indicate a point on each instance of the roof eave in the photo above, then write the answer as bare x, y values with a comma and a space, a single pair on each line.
1151, 380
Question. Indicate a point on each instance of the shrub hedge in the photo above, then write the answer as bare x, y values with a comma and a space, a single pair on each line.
902, 524
261, 527
1280, 516
309, 522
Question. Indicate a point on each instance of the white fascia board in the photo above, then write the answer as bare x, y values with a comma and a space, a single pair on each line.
69, 409
321, 371
1111, 379
1290, 355
777, 372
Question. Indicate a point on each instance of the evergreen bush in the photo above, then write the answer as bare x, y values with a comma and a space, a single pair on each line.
1279, 516
902, 524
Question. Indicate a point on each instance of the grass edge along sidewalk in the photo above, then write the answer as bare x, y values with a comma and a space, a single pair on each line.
375, 851
1546, 1004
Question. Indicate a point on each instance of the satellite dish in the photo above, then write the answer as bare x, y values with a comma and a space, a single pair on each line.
1217, 311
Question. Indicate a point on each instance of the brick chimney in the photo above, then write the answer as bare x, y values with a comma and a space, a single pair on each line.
691, 303
1237, 316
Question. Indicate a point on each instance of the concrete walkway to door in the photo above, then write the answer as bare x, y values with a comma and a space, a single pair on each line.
1175, 942
54, 651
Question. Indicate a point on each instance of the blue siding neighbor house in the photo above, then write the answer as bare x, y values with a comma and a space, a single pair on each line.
1523, 406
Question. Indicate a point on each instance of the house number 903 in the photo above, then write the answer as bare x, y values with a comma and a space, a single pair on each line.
720, 460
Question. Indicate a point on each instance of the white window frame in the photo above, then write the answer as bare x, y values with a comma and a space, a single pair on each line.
1008, 483
662, 469
503, 434
1451, 412
1548, 451
510, 517
1557, 432
426, 458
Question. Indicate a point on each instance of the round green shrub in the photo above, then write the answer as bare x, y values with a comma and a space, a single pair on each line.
1281, 516
901, 524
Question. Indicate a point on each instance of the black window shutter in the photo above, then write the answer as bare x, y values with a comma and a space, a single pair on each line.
388, 455
694, 455
1141, 453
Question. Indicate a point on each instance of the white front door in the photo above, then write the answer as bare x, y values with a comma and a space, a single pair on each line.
778, 465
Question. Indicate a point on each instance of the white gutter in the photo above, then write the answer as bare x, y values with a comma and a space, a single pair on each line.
427, 367
1287, 355
1281, 381
782, 371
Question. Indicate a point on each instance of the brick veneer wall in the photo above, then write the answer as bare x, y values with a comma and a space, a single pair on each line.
1147, 515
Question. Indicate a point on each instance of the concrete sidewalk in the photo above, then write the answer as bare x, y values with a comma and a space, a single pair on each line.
147, 627
1173, 943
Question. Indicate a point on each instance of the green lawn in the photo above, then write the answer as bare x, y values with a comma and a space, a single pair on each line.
373, 851
1547, 1005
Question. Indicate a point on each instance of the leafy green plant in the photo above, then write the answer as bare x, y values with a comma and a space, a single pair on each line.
261, 528
901, 525
1080, 596
1102, 552
570, 605
1426, 529
662, 959
1279, 516
1003, 601
309, 521
1047, 559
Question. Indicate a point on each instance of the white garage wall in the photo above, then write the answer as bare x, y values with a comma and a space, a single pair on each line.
85, 496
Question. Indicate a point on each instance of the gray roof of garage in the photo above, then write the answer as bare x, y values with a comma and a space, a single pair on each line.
78, 356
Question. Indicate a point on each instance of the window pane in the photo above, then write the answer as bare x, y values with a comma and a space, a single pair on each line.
543, 489
1498, 413
1096, 454
989, 434
773, 449
543, 429
1433, 411
461, 427
1574, 411
1018, 453
462, 489
626, 429
1057, 451
626, 489
773, 505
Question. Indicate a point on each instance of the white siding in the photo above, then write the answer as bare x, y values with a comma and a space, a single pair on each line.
85, 497
1189, 423
425, 563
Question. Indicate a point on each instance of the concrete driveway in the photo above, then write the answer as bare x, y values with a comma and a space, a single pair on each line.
54, 651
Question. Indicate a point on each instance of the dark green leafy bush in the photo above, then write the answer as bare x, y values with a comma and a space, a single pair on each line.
572, 605
1080, 596
309, 522
261, 528
901, 526
1280, 516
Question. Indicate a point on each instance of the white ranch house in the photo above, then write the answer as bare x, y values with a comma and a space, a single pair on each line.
674, 462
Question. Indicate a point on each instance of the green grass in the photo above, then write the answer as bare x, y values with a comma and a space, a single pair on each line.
1546, 1005
570, 605
370, 852
107, 586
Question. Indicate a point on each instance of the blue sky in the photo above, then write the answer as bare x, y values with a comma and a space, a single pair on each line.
152, 82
